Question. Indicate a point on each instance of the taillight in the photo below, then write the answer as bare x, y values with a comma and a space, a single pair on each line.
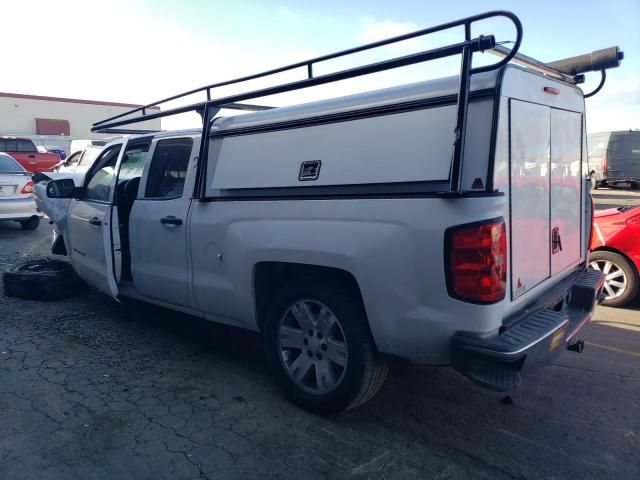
28, 188
477, 261
605, 168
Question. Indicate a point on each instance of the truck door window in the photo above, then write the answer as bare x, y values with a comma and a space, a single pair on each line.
133, 162
169, 168
101, 178
8, 146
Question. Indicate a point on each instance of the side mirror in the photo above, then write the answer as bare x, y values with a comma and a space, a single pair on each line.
64, 188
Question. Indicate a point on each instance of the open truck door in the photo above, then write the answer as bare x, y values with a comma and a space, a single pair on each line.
90, 222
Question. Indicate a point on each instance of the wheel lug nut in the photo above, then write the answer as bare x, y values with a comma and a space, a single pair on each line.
305, 341
310, 333
323, 347
309, 353
319, 335
318, 356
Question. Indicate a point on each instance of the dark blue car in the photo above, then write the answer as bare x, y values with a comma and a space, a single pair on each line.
53, 149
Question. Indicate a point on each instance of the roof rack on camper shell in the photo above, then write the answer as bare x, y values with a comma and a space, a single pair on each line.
568, 70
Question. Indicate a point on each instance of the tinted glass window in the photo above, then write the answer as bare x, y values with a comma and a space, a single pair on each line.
9, 165
169, 168
8, 146
25, 146
133, 162
102, 178
625, 145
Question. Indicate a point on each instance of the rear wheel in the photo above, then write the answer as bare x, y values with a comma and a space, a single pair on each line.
320, 349
621, 278
30, 224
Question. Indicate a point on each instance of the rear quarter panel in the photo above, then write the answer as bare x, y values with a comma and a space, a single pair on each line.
393, 247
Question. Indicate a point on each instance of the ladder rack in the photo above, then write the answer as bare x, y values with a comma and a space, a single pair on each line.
209, 108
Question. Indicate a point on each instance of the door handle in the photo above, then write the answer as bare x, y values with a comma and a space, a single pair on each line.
171, 220
95, 221
32, 156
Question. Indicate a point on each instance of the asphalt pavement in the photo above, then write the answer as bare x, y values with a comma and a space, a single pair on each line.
93, 389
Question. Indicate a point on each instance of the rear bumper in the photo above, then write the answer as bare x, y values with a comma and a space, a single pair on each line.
534, 340
624, 182
18, 209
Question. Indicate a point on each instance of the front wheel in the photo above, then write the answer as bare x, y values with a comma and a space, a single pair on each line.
621, 278
320, 349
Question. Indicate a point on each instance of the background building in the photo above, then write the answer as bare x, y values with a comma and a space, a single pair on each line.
57, 121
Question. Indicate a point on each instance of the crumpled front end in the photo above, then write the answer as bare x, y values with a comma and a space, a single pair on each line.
55, 208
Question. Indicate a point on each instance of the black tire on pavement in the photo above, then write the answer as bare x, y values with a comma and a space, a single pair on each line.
365, 371
30, 224
42, 279
623, 270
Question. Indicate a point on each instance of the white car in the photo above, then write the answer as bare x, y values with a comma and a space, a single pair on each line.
80, 161
16, 198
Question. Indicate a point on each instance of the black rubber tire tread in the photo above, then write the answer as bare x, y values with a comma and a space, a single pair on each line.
629, 270
366, 370
376, 372
30, 224
43, 280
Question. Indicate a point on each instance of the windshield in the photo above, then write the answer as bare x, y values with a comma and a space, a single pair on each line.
89, 155
9, 165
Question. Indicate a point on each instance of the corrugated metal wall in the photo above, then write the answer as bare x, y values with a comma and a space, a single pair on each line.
52, 140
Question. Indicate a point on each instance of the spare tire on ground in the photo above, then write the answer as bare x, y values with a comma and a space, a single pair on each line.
42, 279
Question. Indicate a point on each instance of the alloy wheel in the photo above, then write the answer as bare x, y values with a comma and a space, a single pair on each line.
312, 346
615, 282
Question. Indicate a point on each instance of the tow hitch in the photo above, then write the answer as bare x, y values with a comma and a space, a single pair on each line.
576, 347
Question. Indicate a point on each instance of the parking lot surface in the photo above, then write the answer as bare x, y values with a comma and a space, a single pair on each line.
93, 389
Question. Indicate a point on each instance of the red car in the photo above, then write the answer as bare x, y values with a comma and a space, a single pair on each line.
615, 250
27, 155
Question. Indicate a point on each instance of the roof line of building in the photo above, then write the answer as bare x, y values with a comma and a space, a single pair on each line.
72, 100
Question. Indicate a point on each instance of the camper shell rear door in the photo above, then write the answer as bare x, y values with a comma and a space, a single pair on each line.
539, 165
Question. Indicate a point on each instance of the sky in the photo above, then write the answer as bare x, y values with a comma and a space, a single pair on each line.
139, 51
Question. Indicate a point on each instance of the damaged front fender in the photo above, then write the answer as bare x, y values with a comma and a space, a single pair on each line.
55, 208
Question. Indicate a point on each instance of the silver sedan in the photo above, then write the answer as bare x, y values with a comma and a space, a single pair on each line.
16, 199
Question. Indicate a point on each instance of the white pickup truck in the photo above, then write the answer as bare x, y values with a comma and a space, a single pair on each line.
444, 222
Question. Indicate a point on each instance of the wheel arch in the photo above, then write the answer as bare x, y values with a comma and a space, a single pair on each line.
610, 249
269, 276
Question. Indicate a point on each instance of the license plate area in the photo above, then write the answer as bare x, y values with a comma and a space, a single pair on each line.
6, 190
557, 338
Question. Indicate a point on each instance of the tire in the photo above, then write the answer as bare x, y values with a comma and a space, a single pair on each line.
30, 224
304, 339
622, 285
42, 280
